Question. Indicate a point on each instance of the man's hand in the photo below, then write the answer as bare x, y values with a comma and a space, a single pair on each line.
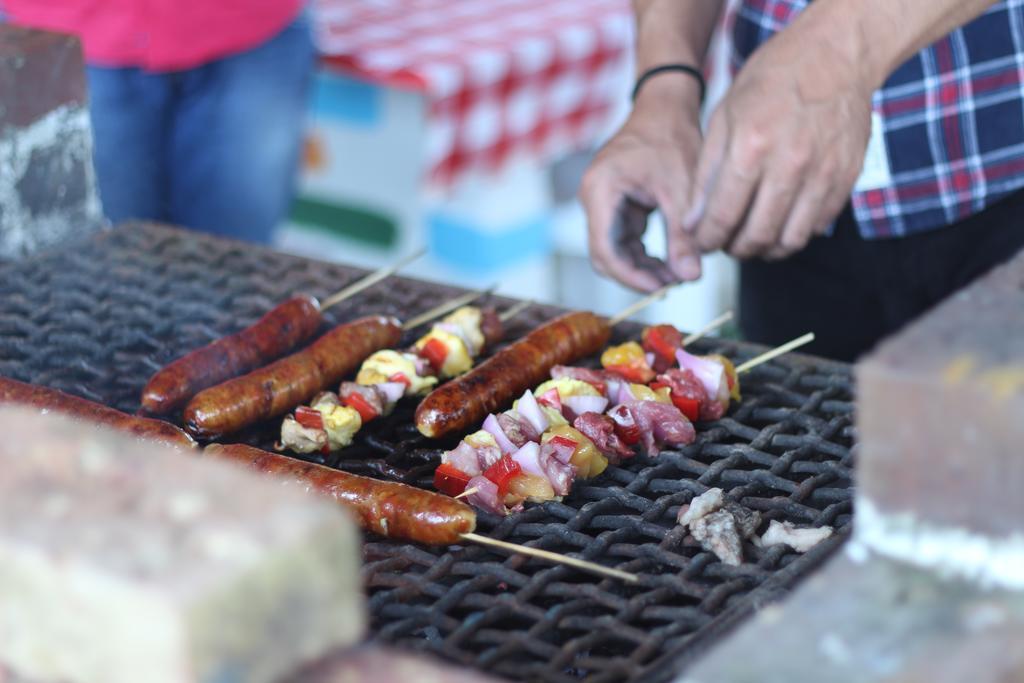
650, 162
648, 165
783, 148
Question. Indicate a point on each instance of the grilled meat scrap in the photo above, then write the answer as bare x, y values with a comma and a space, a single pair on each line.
717, 533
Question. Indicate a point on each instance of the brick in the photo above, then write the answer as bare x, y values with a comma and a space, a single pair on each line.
864, 618
48, 190
931, 588
121, 562
941, 413
39, 71
383, 665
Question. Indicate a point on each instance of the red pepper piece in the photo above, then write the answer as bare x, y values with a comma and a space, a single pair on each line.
450, 480
435, 352
356, 401
564, 441
690, 407
630, 434
503, 472
638, 373
309, 417
663, 341
400, 377
625, 426
551, 399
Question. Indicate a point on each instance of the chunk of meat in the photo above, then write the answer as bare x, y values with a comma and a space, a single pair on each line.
684, 383
486, 496
517, 428
717, 533
471, 460
710, 501
799, 539
588, 375
601, 430
560, 473
661, 424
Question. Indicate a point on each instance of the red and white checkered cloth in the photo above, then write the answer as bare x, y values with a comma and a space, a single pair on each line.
503, 78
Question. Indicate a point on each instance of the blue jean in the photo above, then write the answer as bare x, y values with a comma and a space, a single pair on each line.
214, 148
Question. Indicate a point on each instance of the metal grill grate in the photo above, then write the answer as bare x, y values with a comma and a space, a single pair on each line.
97, 318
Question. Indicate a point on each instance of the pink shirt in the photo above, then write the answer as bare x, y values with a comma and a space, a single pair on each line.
159, 35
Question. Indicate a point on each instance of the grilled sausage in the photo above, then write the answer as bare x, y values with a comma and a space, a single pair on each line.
386, 508
275, 334
273, 390
463, 403
13, 392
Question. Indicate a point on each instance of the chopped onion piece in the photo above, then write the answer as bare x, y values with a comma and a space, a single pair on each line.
532, 413
393, 391
492, 427
614, 387
624, 394
585, 404
423, 368
562, 452
486, 495
528, 458
710, 373
649, 357
456, 330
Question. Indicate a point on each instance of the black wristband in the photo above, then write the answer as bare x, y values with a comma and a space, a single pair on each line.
684, 68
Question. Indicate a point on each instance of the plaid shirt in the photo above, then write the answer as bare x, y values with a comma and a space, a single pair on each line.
952, 120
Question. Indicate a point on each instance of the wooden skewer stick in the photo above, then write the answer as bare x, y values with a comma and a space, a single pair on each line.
468, 492
710, 327
515, 310
641, 304
370, 280
778, 351
554, 557
447, 307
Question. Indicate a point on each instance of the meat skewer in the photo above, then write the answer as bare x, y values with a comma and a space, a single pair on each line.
273, 390
331, 421
279, 331
551, 436
391, 509
702, 387
532, 453
466, 401
13, 392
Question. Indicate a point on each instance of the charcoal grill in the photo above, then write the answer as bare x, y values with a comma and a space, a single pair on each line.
98, 317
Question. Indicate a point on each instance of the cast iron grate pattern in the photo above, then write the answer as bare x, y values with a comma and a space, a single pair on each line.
97, 318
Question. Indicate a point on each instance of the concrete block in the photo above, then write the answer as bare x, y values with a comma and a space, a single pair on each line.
39, 72
121, 562
868, 619
383, 665
941, 422
47, 183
